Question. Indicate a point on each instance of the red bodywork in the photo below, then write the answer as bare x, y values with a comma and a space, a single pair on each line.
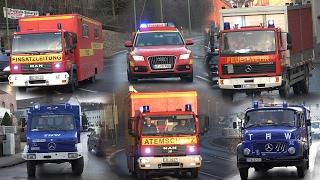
180, 68
160, 103
88, 54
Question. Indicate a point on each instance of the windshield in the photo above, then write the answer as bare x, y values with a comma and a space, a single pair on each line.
158, 39
37, 43
248, 42
52, 122
168, 125
270, 117
315, 125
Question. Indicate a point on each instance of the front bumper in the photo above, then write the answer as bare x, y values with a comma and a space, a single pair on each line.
271, 162
183, 162
51, 156
251, 83
32, 80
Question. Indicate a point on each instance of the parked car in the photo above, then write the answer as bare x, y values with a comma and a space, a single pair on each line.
95, 142
315, 129
4, 65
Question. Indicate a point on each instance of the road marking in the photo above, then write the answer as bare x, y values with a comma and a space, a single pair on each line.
203, 78
119, 52
211, 175
87, 90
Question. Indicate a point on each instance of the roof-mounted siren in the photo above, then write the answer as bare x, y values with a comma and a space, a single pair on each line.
188, 107
36, 107
271, 24
285, 104
59, 26
226, 26
145, 109
255, 104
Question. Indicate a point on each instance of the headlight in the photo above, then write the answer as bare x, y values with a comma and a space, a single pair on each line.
31, 156
138, 58
6, 69
57, 65
144, 161
291, 150
72, 155
246, 151
15, 67
184, 56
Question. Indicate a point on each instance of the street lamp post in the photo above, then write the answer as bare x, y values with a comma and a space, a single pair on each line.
7, 23
161, 11
189, 15
135, 15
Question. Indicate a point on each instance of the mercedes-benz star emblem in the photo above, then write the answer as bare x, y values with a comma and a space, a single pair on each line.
52, 146
268, 147
248, 68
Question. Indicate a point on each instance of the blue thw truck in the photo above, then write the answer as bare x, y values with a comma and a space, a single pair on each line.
274, 136
53, 136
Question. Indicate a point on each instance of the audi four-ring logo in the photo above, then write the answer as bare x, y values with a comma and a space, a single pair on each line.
52, 146
268, 147
248, 68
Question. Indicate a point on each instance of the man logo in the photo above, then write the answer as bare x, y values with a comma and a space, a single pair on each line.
52, 146
248, 68
268, 147
161, 58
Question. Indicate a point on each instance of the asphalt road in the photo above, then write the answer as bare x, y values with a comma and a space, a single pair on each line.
217, 164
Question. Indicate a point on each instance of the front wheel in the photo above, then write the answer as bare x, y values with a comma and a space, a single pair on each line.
227, 95
301, 171
77, 166
73, 84
284, 91
142, 175
243, 173
195, 173
31, 168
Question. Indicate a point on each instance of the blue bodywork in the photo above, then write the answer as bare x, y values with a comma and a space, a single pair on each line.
65, 140
266, 146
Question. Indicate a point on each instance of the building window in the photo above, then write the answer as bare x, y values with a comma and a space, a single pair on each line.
85, 30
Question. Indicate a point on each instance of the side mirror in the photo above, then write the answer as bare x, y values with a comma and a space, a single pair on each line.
308, 122
7, 52
234, 125
203, 124
289, 41
189, 42
128, 44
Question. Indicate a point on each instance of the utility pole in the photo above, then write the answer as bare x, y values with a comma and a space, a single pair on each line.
161, 11
113, 9
7, 23
135, 15
189, 14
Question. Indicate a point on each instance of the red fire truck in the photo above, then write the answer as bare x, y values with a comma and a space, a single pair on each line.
164, 129
265, 48
56, 50
158, 50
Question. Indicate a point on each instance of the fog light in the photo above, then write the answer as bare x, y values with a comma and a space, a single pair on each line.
246, 151
15, 67
197, 159
136, 68
72, 155
221, 82
187, 67
31, 156
291, 150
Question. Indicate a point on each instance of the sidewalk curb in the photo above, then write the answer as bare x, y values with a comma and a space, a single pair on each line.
13, 164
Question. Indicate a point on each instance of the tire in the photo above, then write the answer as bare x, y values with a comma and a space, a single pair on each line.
73, 84
142, 175
304, 85
135, 170
77, 166
284, 91
243, 173
301, 171
227, 95
31, 168
194, 173
92, 79
296, 89
130, 78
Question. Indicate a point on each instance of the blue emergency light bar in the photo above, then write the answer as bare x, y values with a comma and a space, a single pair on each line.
148, 25
257, 105
145, 109
188, 107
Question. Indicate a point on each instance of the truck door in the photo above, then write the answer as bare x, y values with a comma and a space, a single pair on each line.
69, 50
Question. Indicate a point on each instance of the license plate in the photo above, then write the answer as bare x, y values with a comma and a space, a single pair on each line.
170, 160
162, 66
33, 78
249, 86
254, 159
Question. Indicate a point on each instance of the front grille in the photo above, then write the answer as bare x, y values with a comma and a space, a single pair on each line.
36, 67
271, 147
168, 150
59, 147
228, 69
161, 62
